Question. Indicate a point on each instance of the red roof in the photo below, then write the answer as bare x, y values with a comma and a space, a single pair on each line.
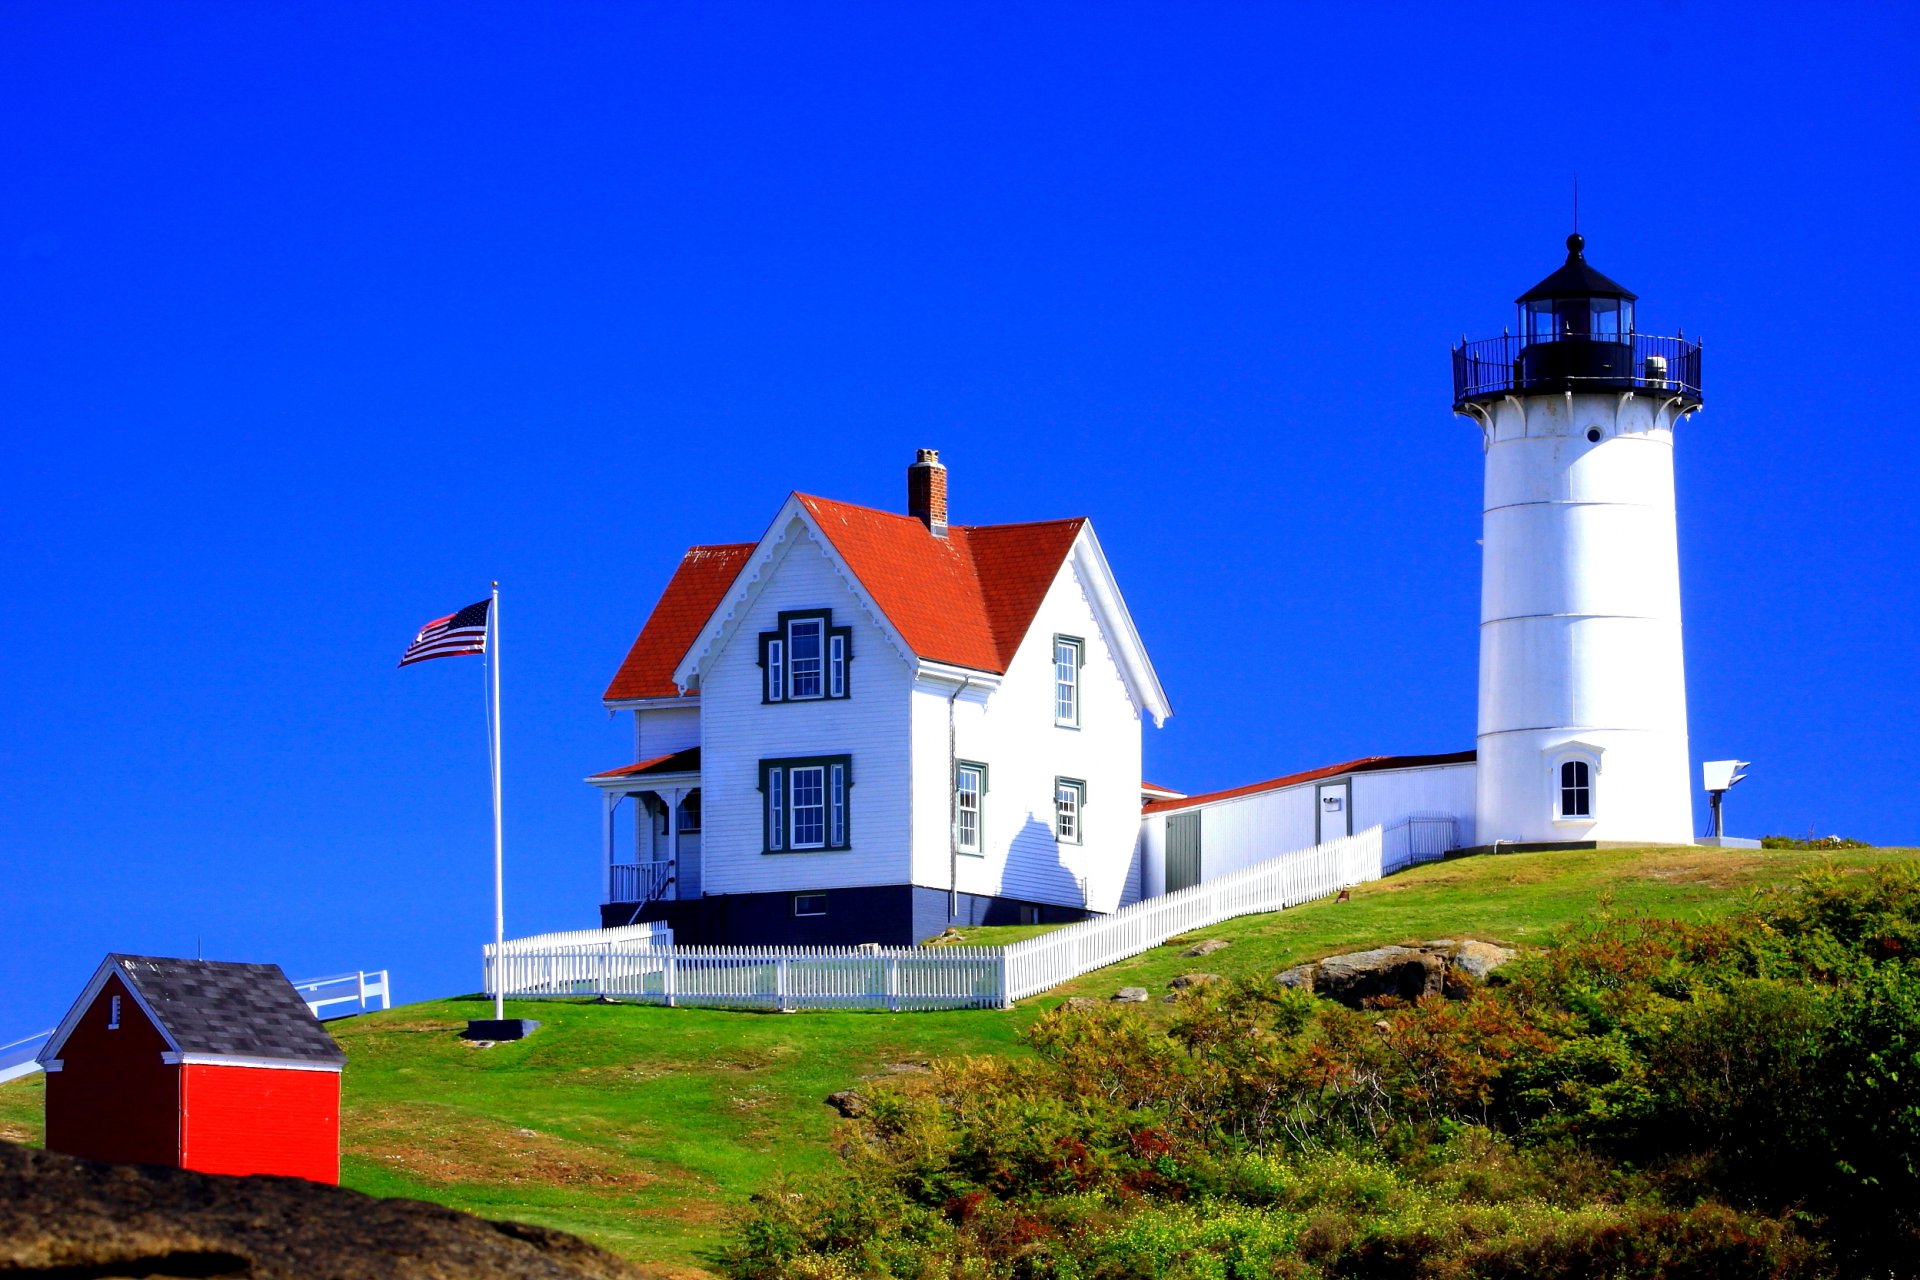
965, 599
696, 589
1365, 764
687, 761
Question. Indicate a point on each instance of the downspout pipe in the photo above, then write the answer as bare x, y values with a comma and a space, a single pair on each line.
953, 809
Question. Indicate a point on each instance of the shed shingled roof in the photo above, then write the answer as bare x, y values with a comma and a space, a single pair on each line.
233, 1010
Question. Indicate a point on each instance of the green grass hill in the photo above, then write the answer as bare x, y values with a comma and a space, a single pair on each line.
646, 1129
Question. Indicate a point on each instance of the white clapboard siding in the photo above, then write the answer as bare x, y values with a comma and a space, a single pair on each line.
651, 970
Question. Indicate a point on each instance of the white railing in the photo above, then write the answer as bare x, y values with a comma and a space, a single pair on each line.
1416, 838
364, 986
1273, 885
20, 1058
641, 963
639, 881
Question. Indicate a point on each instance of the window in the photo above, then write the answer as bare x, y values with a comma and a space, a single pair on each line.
803, 637
1066, 680
805, 658
1069, 801
809, 904
807, 803
1576, 789
969, 785
690, 812
113, 1014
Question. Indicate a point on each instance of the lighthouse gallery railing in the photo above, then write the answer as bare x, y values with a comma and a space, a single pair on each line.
1492, 367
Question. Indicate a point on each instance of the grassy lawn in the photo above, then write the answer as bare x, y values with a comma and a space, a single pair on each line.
643, 1128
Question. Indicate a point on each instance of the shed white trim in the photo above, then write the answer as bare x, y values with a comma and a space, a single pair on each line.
237, 1060
50, 1051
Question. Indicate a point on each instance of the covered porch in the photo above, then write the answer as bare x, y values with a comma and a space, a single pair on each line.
650, 830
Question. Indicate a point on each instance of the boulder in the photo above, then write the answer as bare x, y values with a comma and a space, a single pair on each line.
1403, 972
1131, 995
1300, 977
1206, 948
1186, 980
1082, 1004
68, 1217
850, 1104
1437, 967
1478, 959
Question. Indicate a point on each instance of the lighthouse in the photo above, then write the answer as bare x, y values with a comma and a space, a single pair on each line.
1583, 714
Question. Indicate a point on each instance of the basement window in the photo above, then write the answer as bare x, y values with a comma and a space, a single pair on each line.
809, 904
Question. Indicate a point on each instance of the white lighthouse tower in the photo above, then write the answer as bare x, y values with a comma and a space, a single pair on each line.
1583, 709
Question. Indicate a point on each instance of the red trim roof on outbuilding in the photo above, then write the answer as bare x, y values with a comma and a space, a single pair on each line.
1365, 764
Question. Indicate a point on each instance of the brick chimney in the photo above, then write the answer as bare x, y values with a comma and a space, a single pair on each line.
927, 492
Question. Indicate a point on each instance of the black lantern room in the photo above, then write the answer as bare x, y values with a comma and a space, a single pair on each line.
1576, 333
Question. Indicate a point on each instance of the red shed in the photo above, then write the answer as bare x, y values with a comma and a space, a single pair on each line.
195, 1063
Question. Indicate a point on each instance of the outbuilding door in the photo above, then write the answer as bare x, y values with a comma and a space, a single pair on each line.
1183, 850
1334, 803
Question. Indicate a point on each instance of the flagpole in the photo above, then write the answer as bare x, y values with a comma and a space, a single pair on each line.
499, 909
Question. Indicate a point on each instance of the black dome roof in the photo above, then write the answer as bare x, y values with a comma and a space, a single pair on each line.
1576, 279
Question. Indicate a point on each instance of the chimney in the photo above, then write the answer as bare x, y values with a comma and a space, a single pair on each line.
927, 492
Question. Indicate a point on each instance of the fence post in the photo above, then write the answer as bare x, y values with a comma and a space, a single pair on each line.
893, 984
1006, 987
780, 984
667, 975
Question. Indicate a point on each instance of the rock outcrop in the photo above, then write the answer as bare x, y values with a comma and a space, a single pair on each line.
1440, 967
60, 1216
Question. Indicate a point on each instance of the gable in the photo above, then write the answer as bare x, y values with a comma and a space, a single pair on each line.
212, 1008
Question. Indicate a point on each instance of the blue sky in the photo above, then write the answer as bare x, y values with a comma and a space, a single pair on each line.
317, 318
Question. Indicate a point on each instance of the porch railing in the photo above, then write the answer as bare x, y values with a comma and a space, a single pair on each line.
639, 881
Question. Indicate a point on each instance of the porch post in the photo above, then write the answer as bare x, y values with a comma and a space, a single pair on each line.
673, 832
608, 799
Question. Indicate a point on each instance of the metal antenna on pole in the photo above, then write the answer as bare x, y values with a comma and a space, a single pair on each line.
1576, 204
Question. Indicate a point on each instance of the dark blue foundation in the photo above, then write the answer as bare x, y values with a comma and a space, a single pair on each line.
893, 915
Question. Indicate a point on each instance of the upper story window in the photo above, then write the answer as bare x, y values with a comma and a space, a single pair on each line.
969, 791
1576, 789
807, 803
113, 1014
1069, 808
1067, 654
805, 658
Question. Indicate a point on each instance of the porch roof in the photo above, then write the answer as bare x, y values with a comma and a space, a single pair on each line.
678, 764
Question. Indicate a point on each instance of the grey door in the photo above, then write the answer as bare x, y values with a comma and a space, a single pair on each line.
1334, 800
1183, 850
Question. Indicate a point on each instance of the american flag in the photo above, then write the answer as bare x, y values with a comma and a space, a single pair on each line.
457, 633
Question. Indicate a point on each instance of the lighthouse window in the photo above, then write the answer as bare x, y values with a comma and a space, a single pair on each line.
1576, 789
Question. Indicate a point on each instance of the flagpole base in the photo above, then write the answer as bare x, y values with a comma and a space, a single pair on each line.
499, 1029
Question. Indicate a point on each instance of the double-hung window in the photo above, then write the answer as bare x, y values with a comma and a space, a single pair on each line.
1067, 652
1069, 809
969, 792
804, 658
806, 803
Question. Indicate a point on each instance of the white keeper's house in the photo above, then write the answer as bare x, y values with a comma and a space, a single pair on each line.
868, 726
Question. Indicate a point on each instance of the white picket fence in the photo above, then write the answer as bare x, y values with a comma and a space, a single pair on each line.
641, 963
